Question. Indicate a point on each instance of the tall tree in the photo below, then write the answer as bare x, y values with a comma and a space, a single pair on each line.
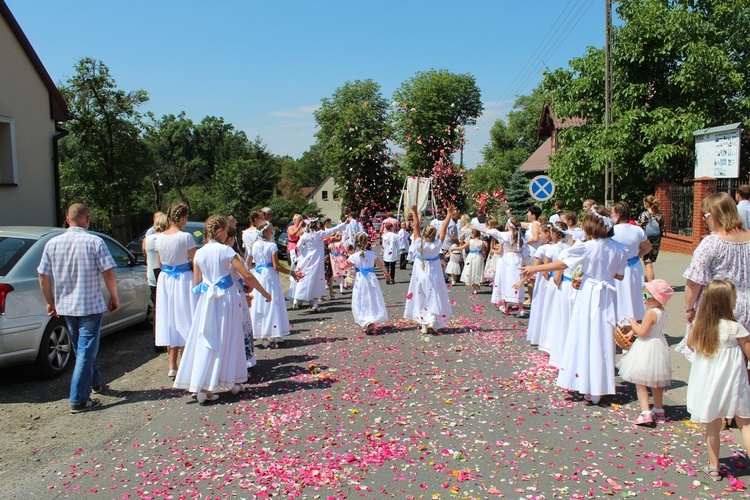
104, 159
432, 110
354, 130
679, 66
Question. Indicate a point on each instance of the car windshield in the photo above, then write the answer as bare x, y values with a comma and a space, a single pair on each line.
11, 251
196, 231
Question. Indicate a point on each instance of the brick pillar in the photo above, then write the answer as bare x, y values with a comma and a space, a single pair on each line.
663, 196
700, 191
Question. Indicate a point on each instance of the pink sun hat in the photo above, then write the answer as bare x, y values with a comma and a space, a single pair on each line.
660, 290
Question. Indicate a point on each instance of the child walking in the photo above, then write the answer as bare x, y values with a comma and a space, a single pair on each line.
473, 272
647, 362
368, 305
390, 243
718, 383
427, 301
453, 269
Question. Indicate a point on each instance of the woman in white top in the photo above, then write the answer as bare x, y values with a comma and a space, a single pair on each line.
153, 266
633, 240
390, 246
175, 302
311, 264
249, 235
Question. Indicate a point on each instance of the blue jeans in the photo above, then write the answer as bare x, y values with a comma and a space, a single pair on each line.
85, 332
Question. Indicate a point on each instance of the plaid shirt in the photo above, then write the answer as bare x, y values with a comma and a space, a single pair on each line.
75, 260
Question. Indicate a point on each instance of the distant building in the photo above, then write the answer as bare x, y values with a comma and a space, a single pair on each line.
549, 128
325, 196
31, 107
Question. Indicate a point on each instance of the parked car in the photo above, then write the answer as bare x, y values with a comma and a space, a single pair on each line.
136, 246
27, 334
377, 221
281, 242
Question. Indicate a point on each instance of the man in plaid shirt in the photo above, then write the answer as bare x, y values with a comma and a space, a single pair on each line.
74, 260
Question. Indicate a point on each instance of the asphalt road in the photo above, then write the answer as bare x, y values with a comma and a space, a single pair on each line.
333, 413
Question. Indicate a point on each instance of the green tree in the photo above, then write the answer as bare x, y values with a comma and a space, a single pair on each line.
104, 159
517, 194
679, 66
311, 167
431, 111
353, 135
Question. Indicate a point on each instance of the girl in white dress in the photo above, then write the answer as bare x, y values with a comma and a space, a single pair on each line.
718, 384
634, 241
427, 301
247, 325
368, 305
558, 298
534, 329
588, 359
311, 264
214, 356
174, 301
473, 273
270, 319
505, 295
646, 363
453, 268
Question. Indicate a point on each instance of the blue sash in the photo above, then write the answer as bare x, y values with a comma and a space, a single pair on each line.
475, 251
175, 271
431, 259
259, 267
364, 271
633, 261
224, 283
567, 278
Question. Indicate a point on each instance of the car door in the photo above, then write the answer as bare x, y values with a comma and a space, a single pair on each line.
132, 288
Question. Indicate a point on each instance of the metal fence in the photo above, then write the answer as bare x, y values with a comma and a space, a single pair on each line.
680, 220
727, 185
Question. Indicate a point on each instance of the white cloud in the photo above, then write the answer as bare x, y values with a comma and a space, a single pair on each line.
302, 111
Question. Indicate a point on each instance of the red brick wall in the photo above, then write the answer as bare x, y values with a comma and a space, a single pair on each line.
684, 244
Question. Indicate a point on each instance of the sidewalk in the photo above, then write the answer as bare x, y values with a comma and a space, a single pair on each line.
670, 267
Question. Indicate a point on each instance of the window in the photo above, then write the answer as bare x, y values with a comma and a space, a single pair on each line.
336, 196
120, 256
324, 195
8, 165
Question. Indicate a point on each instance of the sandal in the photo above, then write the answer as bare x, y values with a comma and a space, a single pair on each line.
714, 474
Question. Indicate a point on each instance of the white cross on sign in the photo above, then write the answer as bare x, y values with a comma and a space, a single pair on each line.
541, 188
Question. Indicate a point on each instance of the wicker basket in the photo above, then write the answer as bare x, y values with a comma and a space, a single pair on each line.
621, 338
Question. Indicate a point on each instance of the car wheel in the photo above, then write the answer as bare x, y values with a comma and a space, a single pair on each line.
148, 323
56, 350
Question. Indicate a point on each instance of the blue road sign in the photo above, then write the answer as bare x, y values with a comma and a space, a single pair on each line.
541, 188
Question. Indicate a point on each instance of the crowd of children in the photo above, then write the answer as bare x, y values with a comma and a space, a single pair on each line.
583, 281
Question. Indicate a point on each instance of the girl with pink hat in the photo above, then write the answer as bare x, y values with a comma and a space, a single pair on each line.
647, 362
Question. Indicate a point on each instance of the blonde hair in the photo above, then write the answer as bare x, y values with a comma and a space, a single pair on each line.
723, 209
652, 201
360, 239
161, 223
429, 233
717, 303
177, 211
492, 223
593, 222
213, 224
297, 218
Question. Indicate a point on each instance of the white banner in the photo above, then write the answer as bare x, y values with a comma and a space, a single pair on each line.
717, 152
410, 194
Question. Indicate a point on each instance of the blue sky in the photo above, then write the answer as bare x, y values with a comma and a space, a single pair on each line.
265, 66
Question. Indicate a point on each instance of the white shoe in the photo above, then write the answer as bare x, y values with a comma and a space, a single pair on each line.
279, 340
202, 397
236, 388
265, 343
424, 329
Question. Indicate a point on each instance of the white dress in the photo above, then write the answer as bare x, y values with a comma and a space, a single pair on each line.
533, 247
473, 273
249, 236
536, 317
508, 271
214, 356
647, 361
427, 301
718, 386
311, 262
558, 304
270, 319
175, 302
368, 305
389, 244
588, 358
630, 302
454, 262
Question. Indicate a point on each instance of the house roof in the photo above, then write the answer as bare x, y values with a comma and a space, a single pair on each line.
307, 190
57, 105
539, 160
549, 122
315, 189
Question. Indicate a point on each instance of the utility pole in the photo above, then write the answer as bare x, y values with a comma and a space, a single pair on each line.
609, 169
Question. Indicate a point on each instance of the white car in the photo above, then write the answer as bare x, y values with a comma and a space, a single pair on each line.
27, 334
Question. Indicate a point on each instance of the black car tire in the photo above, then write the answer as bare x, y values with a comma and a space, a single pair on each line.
55, 351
